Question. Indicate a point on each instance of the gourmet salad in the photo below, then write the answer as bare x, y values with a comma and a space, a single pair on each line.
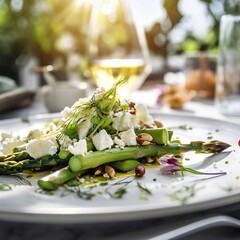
98, 136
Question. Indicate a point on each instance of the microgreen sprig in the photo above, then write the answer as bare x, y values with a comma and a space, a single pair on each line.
97, 109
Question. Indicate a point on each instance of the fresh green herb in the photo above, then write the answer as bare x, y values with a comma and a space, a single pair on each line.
210, 136
83, 194
182, 127
184, 194
96, 110
5, 187
120, 192
234, 185
71, 130
103, 183
22, 179
144, 190
44, 192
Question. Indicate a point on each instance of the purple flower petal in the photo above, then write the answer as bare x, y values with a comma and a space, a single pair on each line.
171, 160
169, 168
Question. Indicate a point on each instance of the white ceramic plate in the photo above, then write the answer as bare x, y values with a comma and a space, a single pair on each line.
26, 203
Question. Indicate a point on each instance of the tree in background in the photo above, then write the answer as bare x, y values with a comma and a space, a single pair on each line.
159, 35
48, 30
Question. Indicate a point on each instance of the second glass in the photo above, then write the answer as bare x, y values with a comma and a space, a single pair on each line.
117, 47
228, 80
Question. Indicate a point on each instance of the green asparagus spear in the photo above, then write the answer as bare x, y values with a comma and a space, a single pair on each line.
125, 165
10, 167
159, 135
18, 156
94, 159
64, 154
58, 178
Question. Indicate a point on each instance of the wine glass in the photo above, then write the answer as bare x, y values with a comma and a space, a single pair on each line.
117, 47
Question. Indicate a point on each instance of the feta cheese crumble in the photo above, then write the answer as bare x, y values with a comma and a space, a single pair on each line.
102, 140
119, 142
35, 133
125, 121
99, 93
9, 144
41, 147
5, 135
143, 114
67, 112
128, 137
84, 128
66, 141
78, 148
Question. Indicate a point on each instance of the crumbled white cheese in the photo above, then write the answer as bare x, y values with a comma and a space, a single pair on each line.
143, 114
66, 141
9, 144
50, 127
102, 140
79, 148
35, 134
128, 137
5, 135
40, 147
99, 93
84, 128
67, 112
119, 142
125, 121
81, 101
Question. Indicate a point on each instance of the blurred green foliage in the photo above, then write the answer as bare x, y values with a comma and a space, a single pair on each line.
158, 35
35, 27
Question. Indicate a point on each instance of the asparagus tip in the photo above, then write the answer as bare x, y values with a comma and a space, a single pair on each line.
214, 146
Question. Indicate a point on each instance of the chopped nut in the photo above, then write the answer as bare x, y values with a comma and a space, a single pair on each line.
98, 171
132, 105
110, 171
144, 139
106, 175
151, 159
158, 124
132, 108
140, 171
149, 125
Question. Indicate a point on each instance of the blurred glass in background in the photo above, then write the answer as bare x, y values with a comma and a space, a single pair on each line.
228, 82
117, 47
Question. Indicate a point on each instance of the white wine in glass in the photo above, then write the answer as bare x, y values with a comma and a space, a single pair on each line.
117, 47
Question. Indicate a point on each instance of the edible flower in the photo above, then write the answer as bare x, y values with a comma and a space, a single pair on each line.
173, 164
